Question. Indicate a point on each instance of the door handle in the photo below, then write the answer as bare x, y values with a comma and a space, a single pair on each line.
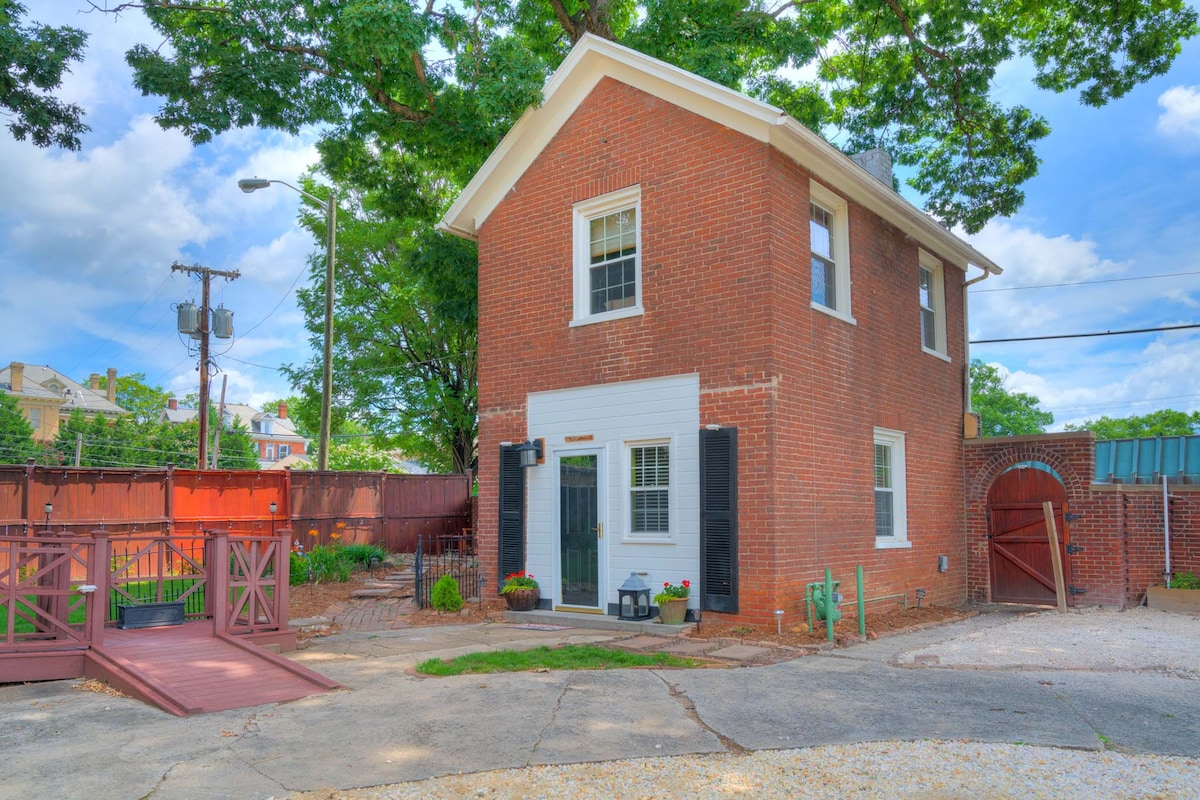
599, 530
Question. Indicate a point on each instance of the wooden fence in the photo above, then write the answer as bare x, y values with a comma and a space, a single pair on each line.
368, 507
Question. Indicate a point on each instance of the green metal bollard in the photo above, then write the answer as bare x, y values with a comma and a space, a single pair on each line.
828, 604
862, 612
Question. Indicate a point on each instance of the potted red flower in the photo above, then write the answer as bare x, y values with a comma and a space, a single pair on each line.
521, 591
672, 602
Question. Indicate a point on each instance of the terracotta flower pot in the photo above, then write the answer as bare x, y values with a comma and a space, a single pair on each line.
522, 599
672, 612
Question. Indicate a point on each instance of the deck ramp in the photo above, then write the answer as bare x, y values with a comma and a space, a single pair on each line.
187, 669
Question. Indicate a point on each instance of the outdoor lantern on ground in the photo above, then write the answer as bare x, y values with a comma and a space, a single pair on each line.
274, 508
634, 598
49, 510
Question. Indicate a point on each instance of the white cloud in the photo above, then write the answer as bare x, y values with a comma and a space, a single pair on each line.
1181, 115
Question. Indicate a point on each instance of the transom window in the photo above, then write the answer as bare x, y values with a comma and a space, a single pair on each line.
932, 299
649, 488
829, 243
608, 279
891, 504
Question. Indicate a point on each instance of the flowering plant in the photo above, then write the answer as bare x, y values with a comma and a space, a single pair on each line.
670, 592
518, 580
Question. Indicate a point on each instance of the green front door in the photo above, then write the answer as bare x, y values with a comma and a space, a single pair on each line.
580, 529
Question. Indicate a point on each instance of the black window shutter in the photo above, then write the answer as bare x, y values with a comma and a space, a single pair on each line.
718, 520
511, 555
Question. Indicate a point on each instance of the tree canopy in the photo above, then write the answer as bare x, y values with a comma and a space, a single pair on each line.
33, 59
1003, 412
16, 434
143, 401
445, 82
1165, 422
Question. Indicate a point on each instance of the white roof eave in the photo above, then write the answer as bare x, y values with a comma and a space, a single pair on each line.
593, 59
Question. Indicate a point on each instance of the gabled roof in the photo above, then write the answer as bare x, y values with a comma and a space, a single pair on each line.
71, 395
281, 427
594, 59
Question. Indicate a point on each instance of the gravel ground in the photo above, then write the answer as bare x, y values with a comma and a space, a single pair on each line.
1087, 639
1133, 640
926, 770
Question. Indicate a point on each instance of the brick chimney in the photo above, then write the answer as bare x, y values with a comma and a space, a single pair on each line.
173, 404
283, 410
94, 381
876, 161
112, 385
17, 376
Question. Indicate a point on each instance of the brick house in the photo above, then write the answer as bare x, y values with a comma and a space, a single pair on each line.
47, 397
274, 435
741, 353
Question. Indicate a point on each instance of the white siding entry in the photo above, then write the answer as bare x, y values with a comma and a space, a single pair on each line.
615, 418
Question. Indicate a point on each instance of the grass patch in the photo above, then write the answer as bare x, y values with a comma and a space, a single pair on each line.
572, 656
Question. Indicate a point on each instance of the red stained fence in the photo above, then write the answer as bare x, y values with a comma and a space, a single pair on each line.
367, 507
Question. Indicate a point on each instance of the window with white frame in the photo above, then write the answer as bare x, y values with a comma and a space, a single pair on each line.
650, 488
35, 419
891, 504
284, 451
933, 304
829, 242
269, 452
607, 273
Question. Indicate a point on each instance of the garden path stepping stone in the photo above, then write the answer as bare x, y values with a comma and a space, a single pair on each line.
740, 652
688, 648
641, 642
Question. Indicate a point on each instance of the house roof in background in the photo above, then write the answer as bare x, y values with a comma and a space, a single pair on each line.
72, 395
281, 427
593, 59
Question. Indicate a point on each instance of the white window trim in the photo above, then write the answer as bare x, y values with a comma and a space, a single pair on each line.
584, 212
938, 292
627, 535
895, 441
840, 238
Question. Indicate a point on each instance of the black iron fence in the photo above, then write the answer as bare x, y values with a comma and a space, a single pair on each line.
447, 554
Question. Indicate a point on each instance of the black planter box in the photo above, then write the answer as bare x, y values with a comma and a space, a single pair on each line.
149, 615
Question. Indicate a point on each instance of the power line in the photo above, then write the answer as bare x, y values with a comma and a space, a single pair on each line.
1083, 283
1085, 335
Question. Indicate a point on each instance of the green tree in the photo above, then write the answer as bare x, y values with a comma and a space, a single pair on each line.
33, 59
238, 450
1164, 422
16, 434
355, 455
1002, 412
444, 82
143, 401
405, 331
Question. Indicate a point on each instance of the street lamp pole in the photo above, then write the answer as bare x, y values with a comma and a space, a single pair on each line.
253, 184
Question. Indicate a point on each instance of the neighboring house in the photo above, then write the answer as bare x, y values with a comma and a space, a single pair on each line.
274, 435
742, 353
47, 397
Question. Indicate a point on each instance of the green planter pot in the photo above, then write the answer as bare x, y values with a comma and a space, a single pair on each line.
522, 599
672, 612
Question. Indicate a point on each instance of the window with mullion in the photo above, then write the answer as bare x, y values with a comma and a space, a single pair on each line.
649, 488
824, 265
928, 310
885, 519
613, 264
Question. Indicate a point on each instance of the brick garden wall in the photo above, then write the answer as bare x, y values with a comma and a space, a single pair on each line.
1121, 528
726, 286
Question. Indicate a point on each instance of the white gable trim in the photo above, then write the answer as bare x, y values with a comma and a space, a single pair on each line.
593, 59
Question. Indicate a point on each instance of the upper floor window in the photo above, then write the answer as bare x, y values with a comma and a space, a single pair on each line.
269, 451
35, 418
284, 451
829, 241
932, 299
607, 273
650, 488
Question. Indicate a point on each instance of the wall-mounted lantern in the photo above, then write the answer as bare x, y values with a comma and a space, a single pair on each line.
530, 452
49, 509
633, 598
274, 508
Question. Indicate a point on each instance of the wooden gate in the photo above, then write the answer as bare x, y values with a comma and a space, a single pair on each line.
1022, 570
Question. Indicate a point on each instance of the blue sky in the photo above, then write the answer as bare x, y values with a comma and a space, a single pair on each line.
87, 240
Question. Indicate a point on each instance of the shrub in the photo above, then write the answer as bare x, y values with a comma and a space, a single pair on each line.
1185, 580
328, 564
445, 596
361, 554
298, 570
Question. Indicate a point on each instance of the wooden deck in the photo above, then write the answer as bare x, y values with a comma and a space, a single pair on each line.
187, 669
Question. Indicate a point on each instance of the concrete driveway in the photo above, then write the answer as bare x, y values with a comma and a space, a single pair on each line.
986, 679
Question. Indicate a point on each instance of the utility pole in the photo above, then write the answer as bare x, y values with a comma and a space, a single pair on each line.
206, 276
220, 423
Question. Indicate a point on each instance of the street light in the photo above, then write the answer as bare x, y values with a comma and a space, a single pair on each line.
248, 185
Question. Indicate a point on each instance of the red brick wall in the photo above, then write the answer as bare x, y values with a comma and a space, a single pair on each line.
725, 273
1120, 531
